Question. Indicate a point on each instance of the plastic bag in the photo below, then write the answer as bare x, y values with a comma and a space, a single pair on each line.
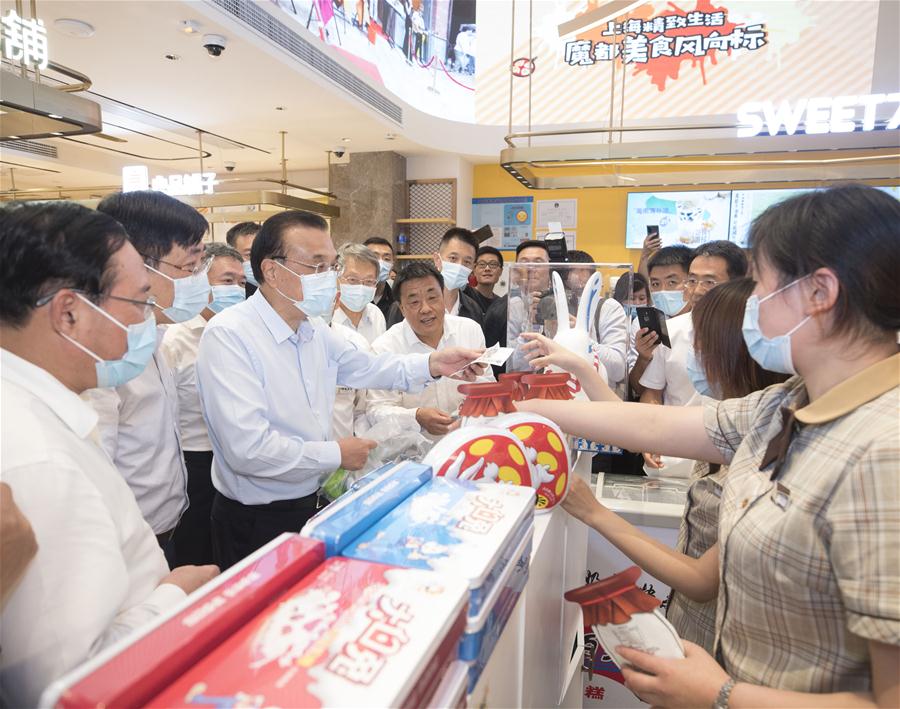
398, 442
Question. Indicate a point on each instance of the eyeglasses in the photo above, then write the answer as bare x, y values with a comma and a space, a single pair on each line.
202, 265
316, 268
705, 282
353, 281
488, 265
147, 305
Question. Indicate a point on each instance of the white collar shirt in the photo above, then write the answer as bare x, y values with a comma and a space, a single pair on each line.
96, 573
371, 324
401, 339
138, 424
667, 370
179, 346
267, 394
454, 309
350, 404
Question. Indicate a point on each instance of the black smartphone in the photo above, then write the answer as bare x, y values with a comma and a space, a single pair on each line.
653, 230
655, 320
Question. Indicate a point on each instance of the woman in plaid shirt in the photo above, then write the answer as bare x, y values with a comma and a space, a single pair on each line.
806, 569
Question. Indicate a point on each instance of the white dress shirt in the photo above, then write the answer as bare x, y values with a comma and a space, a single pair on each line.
350, 404
400, 340
179, 346
454, 309
609, 332
97, 570
268, 396
667, 370
371, 324
139, 430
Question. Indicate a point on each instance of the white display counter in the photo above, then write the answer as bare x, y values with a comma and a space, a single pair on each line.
655, 506
537, 660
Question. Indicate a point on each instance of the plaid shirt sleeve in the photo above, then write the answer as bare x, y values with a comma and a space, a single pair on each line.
864, 523
727, 422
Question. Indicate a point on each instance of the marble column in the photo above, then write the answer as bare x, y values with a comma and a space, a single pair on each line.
372, 190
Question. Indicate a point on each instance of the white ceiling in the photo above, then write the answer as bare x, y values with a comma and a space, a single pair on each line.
234, 96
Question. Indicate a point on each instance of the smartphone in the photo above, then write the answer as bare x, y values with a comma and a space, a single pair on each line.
655, 320
653, 230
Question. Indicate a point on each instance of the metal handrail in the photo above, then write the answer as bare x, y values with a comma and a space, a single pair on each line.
614, 129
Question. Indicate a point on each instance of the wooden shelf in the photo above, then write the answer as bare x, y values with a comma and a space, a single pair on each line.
410, 257
438, 220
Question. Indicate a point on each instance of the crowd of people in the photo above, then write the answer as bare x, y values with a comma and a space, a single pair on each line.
170, 406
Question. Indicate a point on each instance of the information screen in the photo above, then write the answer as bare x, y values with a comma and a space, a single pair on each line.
688, 218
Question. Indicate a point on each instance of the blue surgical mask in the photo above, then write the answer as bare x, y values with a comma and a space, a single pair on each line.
670, 302
141, 346
455, 275
191, 296
319, 293
225, 297
771, 353
248, 274
698, 376
384, 270
356, 297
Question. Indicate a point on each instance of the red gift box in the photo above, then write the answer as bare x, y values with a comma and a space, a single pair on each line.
133, 672
352, 633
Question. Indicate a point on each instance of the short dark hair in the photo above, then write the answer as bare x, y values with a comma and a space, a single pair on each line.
485, 250
45, 246
217, 249
532, 244
851, 229
241, 229
734, 256
269, 241
637, 283
576, 256
464, 235
378, 241
672, 256
155, 222
414, 270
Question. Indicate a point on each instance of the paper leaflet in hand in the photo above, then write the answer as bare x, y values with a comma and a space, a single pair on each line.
495, 356
620, 613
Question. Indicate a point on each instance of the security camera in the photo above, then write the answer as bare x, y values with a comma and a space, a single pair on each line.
229, 166
339, 151
214, 44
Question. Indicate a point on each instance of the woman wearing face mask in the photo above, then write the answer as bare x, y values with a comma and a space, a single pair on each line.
805, 567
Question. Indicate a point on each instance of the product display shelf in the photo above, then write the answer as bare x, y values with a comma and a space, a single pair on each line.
537, 657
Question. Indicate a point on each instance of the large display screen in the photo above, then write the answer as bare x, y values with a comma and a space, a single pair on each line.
693, 218
688, 218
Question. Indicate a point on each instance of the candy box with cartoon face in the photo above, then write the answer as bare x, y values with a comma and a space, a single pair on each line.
460, 529
351, 634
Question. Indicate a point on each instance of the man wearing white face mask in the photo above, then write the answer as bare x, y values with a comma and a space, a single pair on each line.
267, 371
139, 419
358, 281
454, 260
240, 238
74, 314
192, 542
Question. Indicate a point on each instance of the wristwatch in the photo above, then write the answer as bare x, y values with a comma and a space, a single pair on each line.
724, 694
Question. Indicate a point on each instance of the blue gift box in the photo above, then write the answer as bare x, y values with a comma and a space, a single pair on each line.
363, 505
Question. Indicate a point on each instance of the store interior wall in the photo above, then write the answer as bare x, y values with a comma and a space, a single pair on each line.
439, 167
601, 212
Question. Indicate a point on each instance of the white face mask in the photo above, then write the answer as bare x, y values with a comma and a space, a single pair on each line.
455, 275
356, 297
771, 353
319, 292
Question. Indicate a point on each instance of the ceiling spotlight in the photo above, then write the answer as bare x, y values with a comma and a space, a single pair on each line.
345, 140
281, 108
74, 28
14, 137
190, 26
54, 115
173, 57
56, 133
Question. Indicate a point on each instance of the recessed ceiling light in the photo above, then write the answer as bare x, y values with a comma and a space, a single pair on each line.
173, 57
190, 26
345, 140
74, 28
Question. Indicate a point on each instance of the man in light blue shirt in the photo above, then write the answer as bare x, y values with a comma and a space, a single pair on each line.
267, 371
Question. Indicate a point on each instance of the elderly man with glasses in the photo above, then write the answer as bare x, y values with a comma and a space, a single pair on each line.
267, 371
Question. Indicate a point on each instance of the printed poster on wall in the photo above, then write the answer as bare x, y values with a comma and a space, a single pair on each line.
510, 218
564, 211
